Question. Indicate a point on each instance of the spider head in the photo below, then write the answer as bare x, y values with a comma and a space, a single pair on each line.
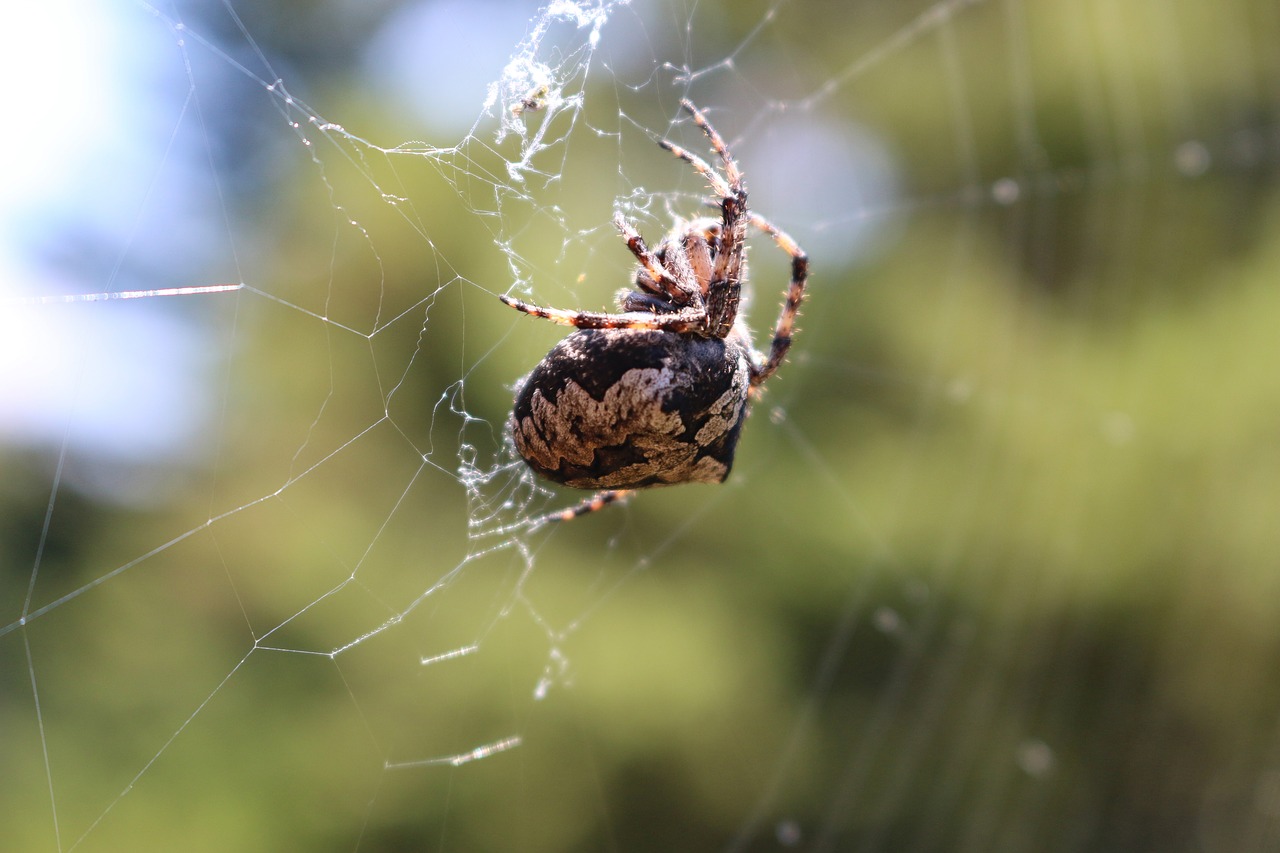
688, 254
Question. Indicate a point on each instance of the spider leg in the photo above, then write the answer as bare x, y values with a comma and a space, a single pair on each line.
723, 293
667, 285
730, 188
596, 502
718, 184
790, 306
686, 320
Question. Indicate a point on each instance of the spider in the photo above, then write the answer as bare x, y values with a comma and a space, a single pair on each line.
656, 395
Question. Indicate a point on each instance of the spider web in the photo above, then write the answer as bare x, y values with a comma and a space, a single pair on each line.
994, 570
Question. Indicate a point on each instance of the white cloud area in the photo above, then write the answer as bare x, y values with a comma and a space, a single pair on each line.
53, 56
120, 383
837, 173
437, 59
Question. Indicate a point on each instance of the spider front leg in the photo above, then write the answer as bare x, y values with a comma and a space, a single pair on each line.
722, 296
722, 187
791, 305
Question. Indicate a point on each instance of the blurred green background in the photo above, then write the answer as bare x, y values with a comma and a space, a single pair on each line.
997, 567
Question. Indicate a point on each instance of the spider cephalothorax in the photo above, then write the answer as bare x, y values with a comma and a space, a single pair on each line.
656, 395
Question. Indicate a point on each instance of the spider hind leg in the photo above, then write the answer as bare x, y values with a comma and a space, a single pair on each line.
595, 503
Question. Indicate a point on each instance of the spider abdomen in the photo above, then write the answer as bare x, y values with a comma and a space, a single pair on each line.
631, 408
